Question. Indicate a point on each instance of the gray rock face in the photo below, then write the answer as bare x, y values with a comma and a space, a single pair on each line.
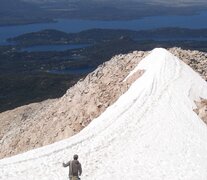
39, 124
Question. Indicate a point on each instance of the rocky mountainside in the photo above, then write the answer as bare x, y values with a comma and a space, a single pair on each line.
150, 132
39, 124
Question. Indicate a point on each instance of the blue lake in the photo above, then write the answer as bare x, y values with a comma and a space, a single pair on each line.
55, 47
192, 21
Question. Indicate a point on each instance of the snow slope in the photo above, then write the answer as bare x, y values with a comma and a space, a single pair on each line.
150, 133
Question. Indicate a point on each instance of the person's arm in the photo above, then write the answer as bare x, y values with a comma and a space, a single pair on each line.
67, 164
80, 169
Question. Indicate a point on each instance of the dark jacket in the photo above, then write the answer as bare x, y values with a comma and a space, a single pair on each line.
75, 168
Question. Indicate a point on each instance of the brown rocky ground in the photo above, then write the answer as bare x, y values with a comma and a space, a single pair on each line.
202, 109
39, 124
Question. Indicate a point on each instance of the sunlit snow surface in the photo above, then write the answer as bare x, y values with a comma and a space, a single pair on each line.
150, 133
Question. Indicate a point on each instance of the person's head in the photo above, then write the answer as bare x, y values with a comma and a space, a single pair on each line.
75, 157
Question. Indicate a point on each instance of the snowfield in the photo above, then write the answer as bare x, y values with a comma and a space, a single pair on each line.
150, 133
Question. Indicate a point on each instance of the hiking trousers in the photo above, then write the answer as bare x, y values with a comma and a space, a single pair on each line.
74, 178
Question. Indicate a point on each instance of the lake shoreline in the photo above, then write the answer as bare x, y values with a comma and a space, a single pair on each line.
194, 21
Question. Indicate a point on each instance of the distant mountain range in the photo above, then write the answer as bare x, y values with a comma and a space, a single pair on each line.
52, 36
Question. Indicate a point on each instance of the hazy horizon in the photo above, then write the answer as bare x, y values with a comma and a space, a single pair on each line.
35, 11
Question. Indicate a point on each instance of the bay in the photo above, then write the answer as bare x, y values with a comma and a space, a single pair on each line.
195, 21
41, 48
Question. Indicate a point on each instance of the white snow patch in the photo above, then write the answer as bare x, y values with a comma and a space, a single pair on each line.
151, 132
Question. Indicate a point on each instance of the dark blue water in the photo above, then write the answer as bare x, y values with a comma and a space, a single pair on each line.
55, 47
192, 21
173, 38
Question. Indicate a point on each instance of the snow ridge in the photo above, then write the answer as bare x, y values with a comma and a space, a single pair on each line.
150, 132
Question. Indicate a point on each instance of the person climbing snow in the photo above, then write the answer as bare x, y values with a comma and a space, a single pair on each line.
75, 169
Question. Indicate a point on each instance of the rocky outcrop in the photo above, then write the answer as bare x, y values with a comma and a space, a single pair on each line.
195, 59
43, 123
201, 109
